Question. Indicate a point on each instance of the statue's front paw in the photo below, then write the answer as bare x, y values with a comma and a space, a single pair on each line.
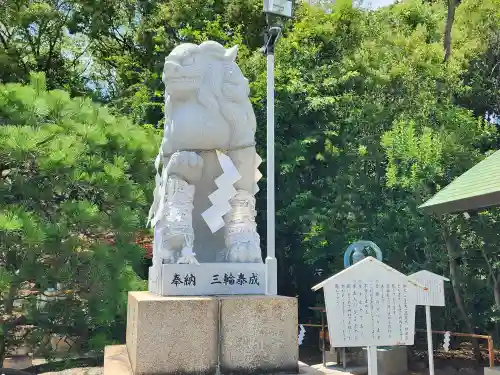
187, 256
186, 165
174, 242
243, 253
167, 257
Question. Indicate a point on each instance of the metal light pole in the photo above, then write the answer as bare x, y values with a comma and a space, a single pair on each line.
272, 36
280, 8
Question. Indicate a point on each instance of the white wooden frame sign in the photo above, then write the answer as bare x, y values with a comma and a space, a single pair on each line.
370, 304
434, 297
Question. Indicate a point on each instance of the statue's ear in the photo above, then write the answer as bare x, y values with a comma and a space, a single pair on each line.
231, 53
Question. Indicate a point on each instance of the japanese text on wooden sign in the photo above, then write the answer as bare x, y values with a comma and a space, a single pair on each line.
373, 312
370, 304
434, 294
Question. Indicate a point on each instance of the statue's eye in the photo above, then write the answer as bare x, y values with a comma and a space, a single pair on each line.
187, 61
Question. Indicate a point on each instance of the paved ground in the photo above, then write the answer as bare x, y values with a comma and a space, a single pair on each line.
78, 371
453, 364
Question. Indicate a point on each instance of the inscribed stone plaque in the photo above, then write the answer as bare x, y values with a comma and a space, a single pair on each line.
370, 303
434, 295
212, 279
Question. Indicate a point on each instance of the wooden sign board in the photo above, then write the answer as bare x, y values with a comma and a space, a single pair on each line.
434, 296
370, 304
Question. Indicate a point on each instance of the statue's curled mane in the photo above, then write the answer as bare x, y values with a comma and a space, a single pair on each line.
224, 89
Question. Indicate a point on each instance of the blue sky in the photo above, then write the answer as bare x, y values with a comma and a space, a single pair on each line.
373, 4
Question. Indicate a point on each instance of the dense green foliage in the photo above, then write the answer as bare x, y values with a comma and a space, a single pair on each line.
376, 111
75, 183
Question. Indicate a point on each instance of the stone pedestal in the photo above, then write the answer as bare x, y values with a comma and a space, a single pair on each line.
391, 360
167, 335
197, 335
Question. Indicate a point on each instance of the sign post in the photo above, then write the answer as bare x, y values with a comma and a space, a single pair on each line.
434, 297
372, 360
430, 349
370, 304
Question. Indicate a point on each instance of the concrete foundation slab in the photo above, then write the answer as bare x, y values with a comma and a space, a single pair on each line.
116, 362
492, 370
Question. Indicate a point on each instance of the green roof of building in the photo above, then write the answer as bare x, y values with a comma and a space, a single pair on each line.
478, 188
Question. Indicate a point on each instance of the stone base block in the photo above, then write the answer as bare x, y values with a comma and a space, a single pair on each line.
346, 357
116, 360
171, 335
197, 335
390, 360
259, 334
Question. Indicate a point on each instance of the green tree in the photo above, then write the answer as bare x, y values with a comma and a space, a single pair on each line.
129, 47
375, 112
34, 36
75, 185
368, 128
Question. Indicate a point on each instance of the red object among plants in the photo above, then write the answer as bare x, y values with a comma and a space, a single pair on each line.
146, 242
142, 239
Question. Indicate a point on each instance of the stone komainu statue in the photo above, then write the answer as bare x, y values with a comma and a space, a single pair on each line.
207, 165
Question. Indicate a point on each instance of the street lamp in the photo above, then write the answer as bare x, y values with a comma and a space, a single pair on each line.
280, 8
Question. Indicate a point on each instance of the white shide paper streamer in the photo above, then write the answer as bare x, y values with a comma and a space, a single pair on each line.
446, 344
220, 198
302, 333
258, 175
154, 212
